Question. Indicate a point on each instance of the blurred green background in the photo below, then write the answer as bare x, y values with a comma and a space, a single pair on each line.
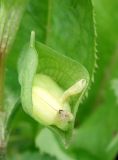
96, 129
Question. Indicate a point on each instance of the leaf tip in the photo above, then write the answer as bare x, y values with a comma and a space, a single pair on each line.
32, 39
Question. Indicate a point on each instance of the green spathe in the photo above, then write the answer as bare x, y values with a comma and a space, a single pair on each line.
46, 90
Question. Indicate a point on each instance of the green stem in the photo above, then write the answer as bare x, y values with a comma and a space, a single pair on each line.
32, 39
3, 141
1, 81
2, 113
2, 137
2, 150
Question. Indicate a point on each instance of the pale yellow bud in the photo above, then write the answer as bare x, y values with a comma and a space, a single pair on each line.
47, 107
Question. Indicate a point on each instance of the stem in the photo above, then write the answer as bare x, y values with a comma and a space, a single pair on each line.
2, 112
2, 137
1, 81
2, 150
32, 39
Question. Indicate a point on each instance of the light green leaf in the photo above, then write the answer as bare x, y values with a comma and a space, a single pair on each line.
30, 156
69, 30
106, 17
47, 143
27, 69
11, 12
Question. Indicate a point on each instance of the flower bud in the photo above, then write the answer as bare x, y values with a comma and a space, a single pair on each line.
47, 106
41, 97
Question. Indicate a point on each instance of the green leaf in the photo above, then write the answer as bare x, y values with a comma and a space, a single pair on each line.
11, 12
47, 143
112, 148
71, 31
31, 155
73, 23
27, 69
97, 136
107, 41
